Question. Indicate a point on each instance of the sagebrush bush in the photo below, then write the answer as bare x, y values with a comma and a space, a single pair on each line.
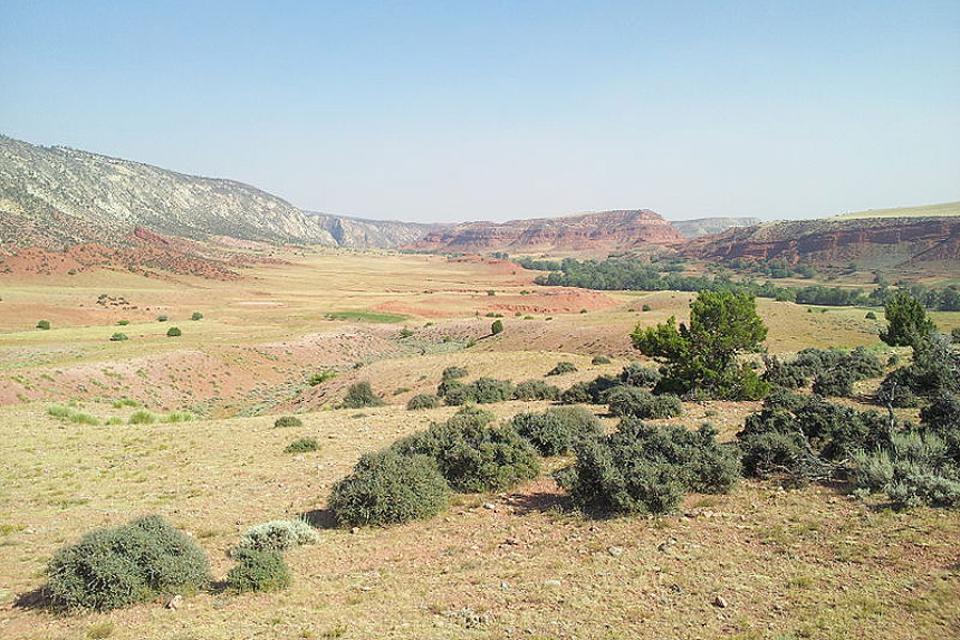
257, 570
174, 332
482, 391
423, 401
806, 438
557, 430
360, 395
535, 390
592, 392
278, 535
302, 445
453, 373
43, 324
472, 454
389, 487
196, 315
914, 469
600, 360
637, 375
118, 337
935, 369
837, 382
645, 469
638, 403
284, 422
115, 567
561, 368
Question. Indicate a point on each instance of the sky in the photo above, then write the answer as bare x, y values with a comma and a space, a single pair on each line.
450, 111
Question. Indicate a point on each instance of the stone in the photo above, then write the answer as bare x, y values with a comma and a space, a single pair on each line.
720, 602
175, 602
616, 552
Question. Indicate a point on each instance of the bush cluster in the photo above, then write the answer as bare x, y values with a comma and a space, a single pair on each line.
834, 371
278, 535
389, 487
556, 431
110, 568
284, 422
481, 391
935, 370
637, 375
600, 360
472, 454
561, 368
638, 403
805, 438
360, 395
535, 390
423, 401
645, 469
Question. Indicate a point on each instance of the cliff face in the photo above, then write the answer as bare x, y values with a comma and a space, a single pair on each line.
889, 241
605, 232
706, 226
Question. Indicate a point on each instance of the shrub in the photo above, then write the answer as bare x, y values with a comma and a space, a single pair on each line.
806, 438
43, 324
870, 315
637, 403
935, 369
162, 318
423, 401
703, 356
118, 337
557, 430
406, 332
257, 570
141, 417
600, 360
644, 469
646, 308
120, 403
637, 375
834, 382
561, 368
287, 421
388, 487
907, 321
302, 445
473, 455
535, 390
481, 391
593, 392
448, 386
321, 377
955, 334
196, 315
453, 373
496, 327
110, 568
123, 323
278, 535
915, 469
360, 395
174, 332
177, 416
784, 374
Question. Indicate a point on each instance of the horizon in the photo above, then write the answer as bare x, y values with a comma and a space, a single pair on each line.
436, 114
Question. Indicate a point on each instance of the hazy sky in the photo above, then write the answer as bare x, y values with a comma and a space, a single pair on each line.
493, 110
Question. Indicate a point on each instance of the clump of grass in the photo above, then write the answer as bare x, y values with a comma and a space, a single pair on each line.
287, 421
72, 415
600, 360
118, 337
43, 324
321, 377
123, 323
142, 417
302, 445
196, 315
178, 416
120, 403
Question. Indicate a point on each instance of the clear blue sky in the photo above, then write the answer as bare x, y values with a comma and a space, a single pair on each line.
493, 110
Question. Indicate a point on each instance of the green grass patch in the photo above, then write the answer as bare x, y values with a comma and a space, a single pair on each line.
366, 316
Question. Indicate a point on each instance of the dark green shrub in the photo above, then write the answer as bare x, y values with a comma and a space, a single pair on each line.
637, 375
360, 395
453, 373
784, 374
321, 377
196, 315
907, 321
447, 386
123, 323
805, 438
600, 360
43, 324
593, 392
535, 390
118, 337
870, 315
638, 403
496, 327
955, 335
561, 368
162, 318
557, 430
646, 308
481, 391
302, 445
258, 570
834, 383
388, 487
110, 568
644, 469
473, 455
174, 332
423, 401
287, 421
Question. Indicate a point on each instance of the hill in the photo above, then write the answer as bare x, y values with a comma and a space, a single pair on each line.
707, 226
882, 242
949, 209
601, 232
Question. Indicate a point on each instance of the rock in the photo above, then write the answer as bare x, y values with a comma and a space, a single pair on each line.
504, 585
354, 530
552, 584
616, 552
489, 505
720, 602
175, 602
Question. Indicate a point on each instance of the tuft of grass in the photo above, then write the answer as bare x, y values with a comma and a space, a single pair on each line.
142, 417
120, 403
100, 630
302, 445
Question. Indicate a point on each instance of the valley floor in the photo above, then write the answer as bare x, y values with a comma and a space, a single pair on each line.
762, 562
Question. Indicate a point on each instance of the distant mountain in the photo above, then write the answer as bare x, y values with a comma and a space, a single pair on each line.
872, 243
601, 232
706, 226
54, 197
361, 233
